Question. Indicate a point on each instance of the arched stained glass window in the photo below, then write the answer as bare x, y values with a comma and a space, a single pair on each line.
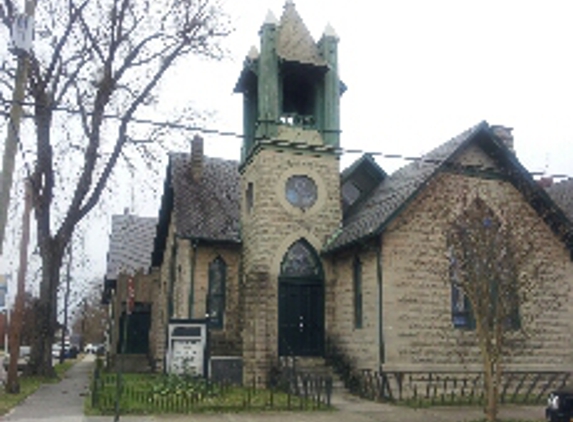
216, 296
300, 260
482, 266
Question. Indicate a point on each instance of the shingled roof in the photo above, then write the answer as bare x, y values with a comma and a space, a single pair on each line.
294, 41
562, 195
207, 208
130, 244
395, 192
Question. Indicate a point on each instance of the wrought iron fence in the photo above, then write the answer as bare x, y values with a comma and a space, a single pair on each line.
446, 387
154, 393
310, 386
457, 387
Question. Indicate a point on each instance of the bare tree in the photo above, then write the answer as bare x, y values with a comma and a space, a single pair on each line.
494, 274
95, 67
90, 318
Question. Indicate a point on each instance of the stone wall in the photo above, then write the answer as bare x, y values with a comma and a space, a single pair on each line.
269, 228
418, 330
361, 345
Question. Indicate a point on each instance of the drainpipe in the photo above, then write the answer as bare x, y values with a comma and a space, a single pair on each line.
381, 346
192, 287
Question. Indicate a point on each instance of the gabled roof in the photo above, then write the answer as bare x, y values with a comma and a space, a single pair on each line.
207, 209
358, 181
130, 245
562, 195
294, 42
397, 191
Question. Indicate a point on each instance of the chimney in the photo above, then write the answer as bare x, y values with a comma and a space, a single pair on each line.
545, 182
197, 158
504, 133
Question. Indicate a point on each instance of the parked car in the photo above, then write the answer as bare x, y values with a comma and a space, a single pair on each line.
560, 405
22, 360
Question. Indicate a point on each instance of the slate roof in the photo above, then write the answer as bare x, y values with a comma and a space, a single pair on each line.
130, 244
394, 192
294, 42
208, 208
562, 195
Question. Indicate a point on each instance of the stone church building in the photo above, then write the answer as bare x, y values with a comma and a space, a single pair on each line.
289, 256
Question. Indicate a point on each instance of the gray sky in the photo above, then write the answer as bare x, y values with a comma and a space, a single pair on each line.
419, 72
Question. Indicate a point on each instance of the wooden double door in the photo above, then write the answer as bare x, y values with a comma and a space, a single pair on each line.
301, 317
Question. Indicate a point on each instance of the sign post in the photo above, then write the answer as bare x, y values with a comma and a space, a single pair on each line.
129, 305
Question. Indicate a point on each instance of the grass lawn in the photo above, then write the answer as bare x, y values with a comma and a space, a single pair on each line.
157, 394
28, 385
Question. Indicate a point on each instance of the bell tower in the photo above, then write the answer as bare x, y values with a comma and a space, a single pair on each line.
292, 82
290, 179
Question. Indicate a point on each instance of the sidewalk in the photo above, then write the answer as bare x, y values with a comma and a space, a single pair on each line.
63, 402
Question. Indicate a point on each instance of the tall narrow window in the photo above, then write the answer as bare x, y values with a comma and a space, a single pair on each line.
216, 295
250, 197
357, 282
483, 268
461, 309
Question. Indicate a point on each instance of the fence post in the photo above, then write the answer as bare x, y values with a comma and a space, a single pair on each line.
95, 392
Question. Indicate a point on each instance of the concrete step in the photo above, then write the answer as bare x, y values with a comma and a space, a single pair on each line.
316, 366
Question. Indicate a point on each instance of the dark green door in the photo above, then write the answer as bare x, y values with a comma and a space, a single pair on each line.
301, 318
137, 333
301, 302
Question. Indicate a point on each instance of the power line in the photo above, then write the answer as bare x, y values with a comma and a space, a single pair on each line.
210, 131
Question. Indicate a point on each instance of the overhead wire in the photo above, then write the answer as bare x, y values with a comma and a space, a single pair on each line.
211, 131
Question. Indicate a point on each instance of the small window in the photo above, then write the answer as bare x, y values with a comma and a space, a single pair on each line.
250, 197
357, 282
216, 295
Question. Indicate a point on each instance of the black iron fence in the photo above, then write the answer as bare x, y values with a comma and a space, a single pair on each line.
456, 387
157, 393
303, 383
442, 387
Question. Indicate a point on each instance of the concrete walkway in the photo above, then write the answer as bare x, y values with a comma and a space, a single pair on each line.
63, 402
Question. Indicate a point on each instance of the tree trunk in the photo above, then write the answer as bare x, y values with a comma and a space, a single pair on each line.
46, 319
491, 390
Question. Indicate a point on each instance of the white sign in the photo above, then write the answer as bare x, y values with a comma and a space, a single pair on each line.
187, 357
187, 347
23, 33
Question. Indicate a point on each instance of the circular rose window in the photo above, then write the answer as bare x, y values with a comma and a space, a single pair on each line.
301, 191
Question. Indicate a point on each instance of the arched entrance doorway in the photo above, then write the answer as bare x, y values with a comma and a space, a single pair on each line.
301, 302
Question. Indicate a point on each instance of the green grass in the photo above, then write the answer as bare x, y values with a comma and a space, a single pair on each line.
157, 394
29, 385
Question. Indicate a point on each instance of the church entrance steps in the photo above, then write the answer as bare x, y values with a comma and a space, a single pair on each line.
317, 367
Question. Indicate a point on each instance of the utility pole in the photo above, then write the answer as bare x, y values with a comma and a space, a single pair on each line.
16, 322
66, 301
22, 39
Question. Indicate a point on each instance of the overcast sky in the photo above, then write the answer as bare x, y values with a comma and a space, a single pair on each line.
419, 72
